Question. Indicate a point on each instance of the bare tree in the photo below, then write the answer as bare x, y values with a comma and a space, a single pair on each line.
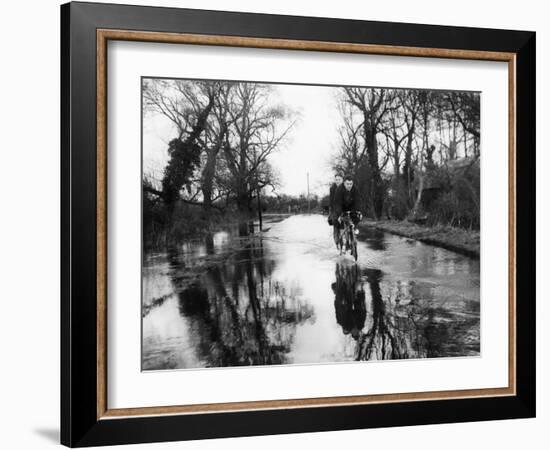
465, 107
395, 132
426, 102
372, 104
187, 105
410, 102
351, 151
215, 137
258, 129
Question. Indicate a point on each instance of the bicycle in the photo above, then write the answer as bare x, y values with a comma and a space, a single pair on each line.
347, 235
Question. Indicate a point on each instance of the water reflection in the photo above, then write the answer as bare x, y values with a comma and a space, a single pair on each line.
237, 313
385, 336
406, 320
374, 238
349, 300
284, 296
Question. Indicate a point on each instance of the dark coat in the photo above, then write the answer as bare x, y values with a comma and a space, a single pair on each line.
345, 200
332, 196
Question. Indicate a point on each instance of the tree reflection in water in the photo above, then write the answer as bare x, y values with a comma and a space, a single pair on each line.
239, 297
240, 315
382, 339
395, 319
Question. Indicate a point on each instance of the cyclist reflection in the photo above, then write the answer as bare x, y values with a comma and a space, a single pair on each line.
349, 300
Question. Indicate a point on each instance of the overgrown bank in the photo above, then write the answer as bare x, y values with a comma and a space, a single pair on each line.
162, 228
459, 240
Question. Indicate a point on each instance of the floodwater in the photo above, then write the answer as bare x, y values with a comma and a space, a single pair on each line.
285, 296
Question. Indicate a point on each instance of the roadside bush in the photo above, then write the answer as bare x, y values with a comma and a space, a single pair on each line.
459, 206
398, 201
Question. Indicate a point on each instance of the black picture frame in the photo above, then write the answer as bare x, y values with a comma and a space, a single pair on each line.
80, 425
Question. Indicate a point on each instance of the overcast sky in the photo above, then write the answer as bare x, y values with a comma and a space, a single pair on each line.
307, 149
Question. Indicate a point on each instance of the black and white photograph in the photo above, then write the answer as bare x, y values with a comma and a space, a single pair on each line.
275, 225
303, 224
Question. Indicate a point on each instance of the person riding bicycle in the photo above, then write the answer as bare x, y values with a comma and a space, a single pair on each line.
332, 217
347, 200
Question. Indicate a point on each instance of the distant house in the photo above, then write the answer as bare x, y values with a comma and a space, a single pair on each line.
455, 165
438, 179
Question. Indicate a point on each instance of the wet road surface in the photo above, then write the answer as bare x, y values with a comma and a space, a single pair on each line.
285, 296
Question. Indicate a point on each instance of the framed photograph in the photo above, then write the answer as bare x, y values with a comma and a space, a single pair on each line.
276, 224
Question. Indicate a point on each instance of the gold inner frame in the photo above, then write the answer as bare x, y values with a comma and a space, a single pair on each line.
104, 35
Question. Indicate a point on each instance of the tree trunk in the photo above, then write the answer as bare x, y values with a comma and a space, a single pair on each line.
377, 192
420, 168
242, 198
210, 168
180, 165
407, 166
208, 179
420, 189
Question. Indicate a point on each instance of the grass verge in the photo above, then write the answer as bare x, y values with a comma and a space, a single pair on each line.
456, 239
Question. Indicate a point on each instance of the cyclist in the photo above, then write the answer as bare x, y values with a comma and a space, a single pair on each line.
347, 200
332, 217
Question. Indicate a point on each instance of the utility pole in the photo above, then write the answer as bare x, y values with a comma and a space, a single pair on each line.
308, 204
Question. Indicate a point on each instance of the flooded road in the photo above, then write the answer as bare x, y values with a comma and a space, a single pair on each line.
285, 296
